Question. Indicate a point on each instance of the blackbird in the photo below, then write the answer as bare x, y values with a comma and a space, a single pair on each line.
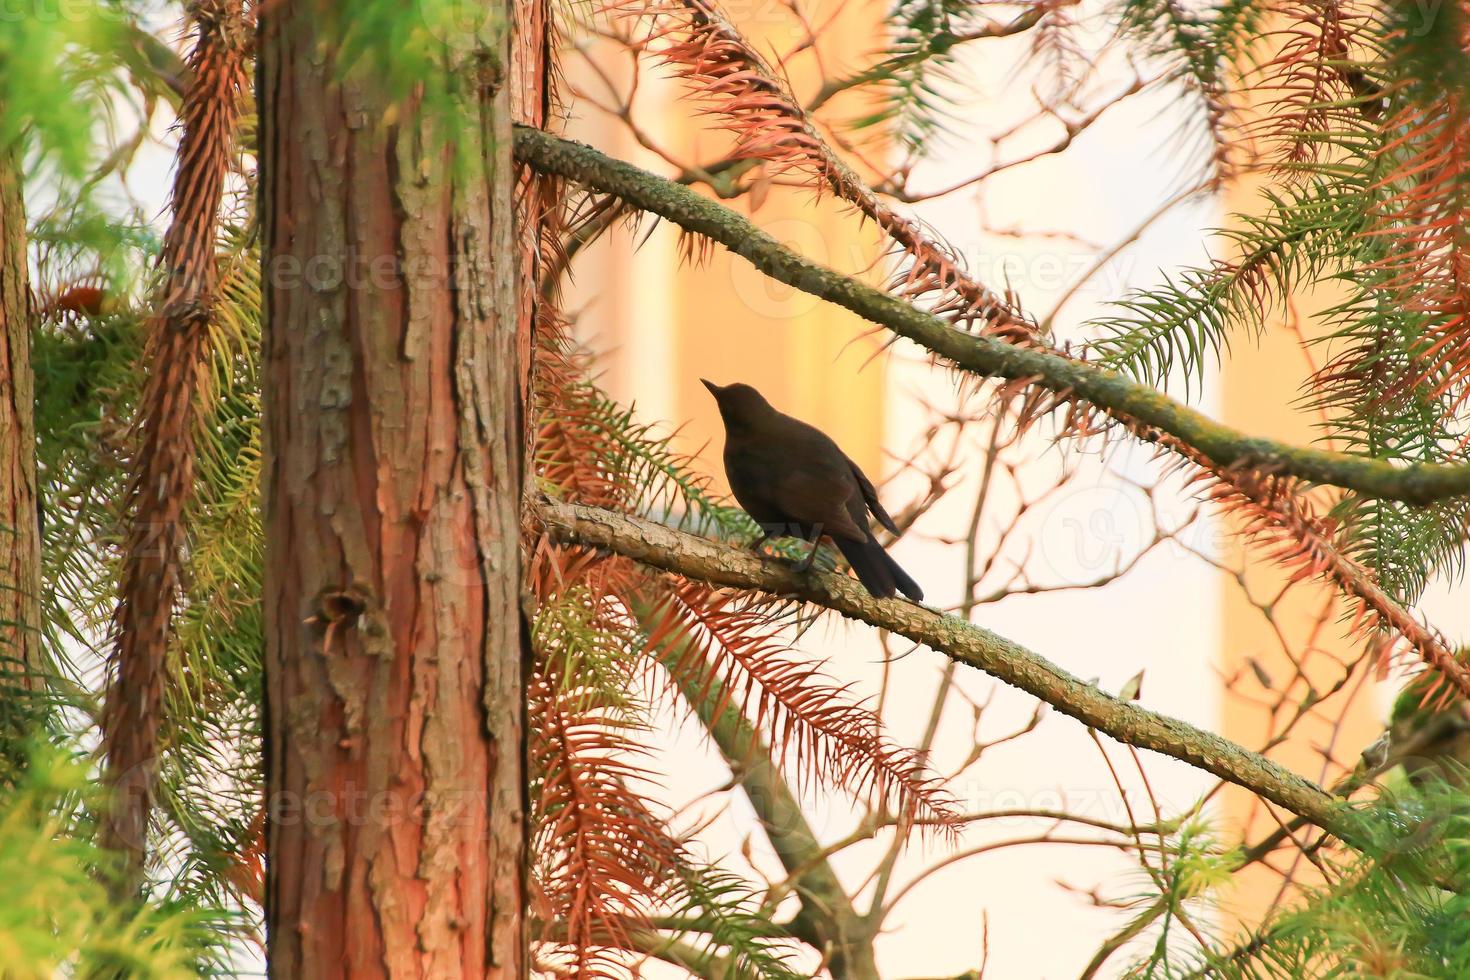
793, 480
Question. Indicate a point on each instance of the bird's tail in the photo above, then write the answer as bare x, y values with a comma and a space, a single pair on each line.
877, 570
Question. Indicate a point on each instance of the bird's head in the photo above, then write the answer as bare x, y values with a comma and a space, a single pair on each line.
740, 404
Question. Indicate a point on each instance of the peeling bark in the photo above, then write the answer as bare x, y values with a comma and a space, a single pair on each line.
394, 365
20, 544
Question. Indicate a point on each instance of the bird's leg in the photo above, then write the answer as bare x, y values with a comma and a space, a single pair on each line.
759, 542
805, 564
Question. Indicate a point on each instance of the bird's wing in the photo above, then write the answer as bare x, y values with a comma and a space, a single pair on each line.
870, 494
811, 496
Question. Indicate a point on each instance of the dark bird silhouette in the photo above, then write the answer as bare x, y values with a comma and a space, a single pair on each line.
794, 480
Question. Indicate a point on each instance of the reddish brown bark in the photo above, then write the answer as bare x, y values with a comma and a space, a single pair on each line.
394, 664
20, 545
163, 475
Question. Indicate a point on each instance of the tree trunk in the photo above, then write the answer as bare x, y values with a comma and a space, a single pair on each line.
20, 539
394, 366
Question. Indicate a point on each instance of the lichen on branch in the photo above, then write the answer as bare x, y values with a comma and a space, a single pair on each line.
710, 561
1108, 391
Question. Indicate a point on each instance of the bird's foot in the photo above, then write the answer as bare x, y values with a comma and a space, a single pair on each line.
759, 544
805, 565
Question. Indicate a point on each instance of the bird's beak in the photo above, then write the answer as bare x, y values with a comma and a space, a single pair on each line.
714, 389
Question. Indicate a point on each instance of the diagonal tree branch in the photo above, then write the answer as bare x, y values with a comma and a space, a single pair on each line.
698, 962
710, 561
827, 918
1222, 445
721, 67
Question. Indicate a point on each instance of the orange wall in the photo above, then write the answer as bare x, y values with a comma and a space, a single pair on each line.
720, 319
1261, 387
